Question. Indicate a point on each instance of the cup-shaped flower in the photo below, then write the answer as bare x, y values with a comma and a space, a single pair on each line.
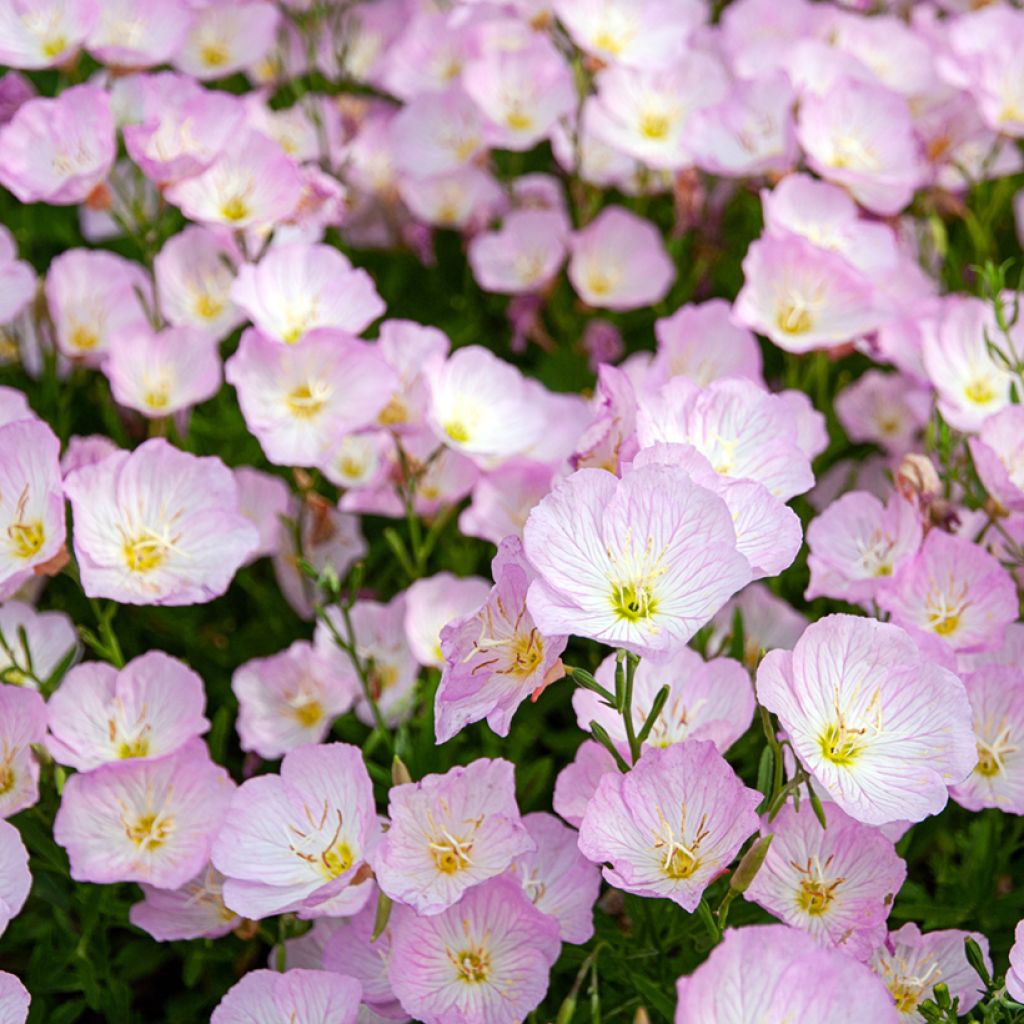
15, 878
449, 833
641, 563
483, 961
298, 997
998, 454
22, 723
148, 709
192, 911
671, 825
34, 644
158, 526
144, 821
225, 38
44, 33
434, 602
879, 726
298, 839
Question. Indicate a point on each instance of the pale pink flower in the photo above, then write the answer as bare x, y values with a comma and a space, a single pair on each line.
431, 604
14, 406
1015, 973
38, 34
758, 35
15, 89
711, 700
647, 112
86, 451
559, 880
996, 694
638, 33
148, 709
289, 699
803, 297
22, 723
15, 877
361, 460
882, 729
483, 406
494, 657
448, 834
144, 821
194, 910
436, 133
777, 973
671, 825
163, 373
609, 441
887, 409
58, 150
297, 288
837, 883
32, 527
299, 840
971, 385
857, 543
428, 54
523, 256
911, 964
297, 996
484, 961
577, 782
14, 1000
741, 430
998, 454
158, 526
264, 500
953, 593
225, 38
139, 33
522, 92
299, 400
463, 199
767, 621
619, 261
194, 272
640, 563
17, 279
703, 342
34, 644
860, 135
252, 183
502, 500
411, 350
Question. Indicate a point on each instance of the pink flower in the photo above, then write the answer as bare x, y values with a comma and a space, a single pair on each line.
462, 199
431, 604
264, 500
484, 961
522, 92
298, 840
412, 350
671, 825
44, 33
495, 657
837, 883
448, 834
163, 373
776, 973
194, 910
58, 150
702, 342
523, 256
711, 700
144, 821
912, 964
225, 38
744, 432
296, 288
149, 709
15, 878
640, 563
1015, 973
14, 1000
767, 621
289, 699
559, 880
32, 529
298, 996
86, 451
887, 409
610, 441
857, 543
139, 33
996, 694
883, 730
194, 272
998, 454
578, 781
803, 297
502, 500
619, 261
252, 183
860, 135
34, 644
436, 133
299, 400
17, 279
952, 593
158, 526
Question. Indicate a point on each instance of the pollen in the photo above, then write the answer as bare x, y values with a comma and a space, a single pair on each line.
214, 53
27, 539
794, 318
518, 120
472, 965
979, 391
234, 209
634, 601
308, 713
150, 831
841, 745
815, 896
336, 860
145, 552
451, 855
394, 412
655, 126
457, 431
137, 746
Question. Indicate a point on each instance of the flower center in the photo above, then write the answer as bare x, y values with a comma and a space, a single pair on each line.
980, 391
145, 552
150, 831
214, 53
473, 965
634, 601
54, 46
208, 307
83, 338
655, 126
336, 860
7, 776
308, 713
234, 209
307, 400
815, 895
992, 753
841, 745
136, 746
450, 854
26, 538
518, 120
794, 318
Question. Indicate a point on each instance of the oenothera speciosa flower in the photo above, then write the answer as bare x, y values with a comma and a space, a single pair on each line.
22, 723
998, 454
300, 996
15, 878
884, 730
35, 642
298, 841
641, 563
14, 998
192, 911
671, 825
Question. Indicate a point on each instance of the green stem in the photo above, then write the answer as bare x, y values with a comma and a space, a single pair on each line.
708, 919
632, 661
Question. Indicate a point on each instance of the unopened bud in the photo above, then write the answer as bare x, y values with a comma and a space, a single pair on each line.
750, 865
917, 479
399, 773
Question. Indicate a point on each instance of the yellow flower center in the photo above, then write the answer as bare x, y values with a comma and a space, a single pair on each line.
214, 53
815, 896
27, 539
157, 397
138, 746
207, 306
473, 965
980, 391
7, 776
234, 209
680, 863
394, 412
308, 713
794, 318
655, 126
145, 553
457, 431
633, 601
517, 120
307, 400
946, 624
450, 854
83, 338
150, 831
840, 745
336, 860
54, 46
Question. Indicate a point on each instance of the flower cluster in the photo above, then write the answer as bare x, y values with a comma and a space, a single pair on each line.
471, 469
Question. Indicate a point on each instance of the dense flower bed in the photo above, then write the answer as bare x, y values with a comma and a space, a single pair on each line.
511, 511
